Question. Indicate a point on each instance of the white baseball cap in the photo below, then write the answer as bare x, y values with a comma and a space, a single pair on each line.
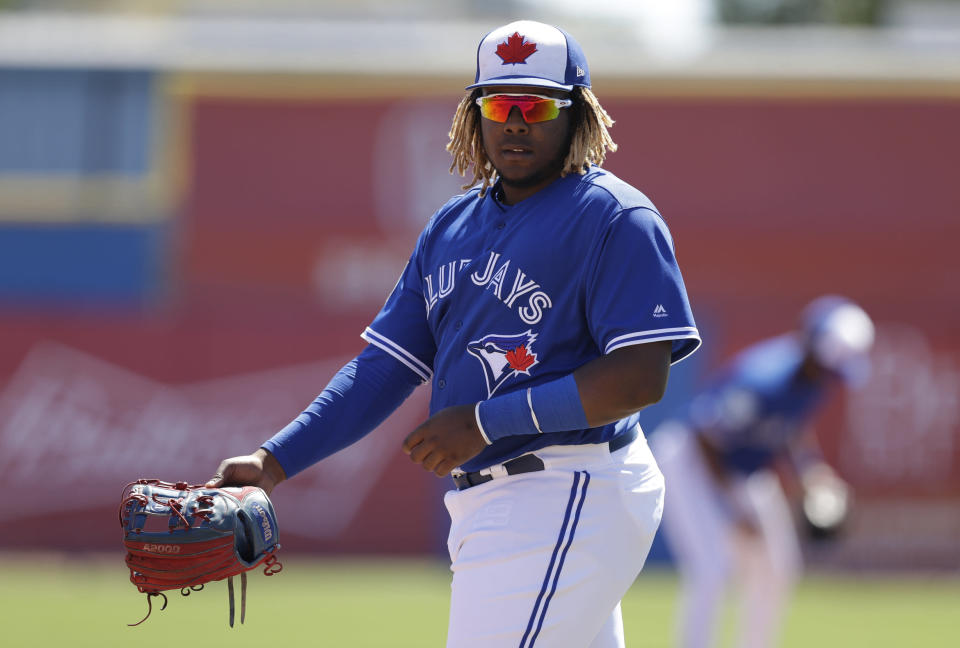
531, 53
839, 334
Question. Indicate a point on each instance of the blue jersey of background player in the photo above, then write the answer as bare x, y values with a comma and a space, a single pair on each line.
758, 407
545, 306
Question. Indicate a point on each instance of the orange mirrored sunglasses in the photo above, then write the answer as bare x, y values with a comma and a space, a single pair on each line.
534, 108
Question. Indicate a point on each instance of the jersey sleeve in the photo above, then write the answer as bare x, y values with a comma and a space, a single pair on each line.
358, 399
634, 290
401, 328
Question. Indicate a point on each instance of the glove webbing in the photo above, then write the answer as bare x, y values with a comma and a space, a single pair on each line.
175, 505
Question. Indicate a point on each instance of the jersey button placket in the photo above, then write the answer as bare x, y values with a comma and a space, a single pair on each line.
441, 383
494, 235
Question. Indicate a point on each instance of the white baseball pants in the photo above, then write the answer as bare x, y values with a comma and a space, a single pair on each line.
712, 554
542, 559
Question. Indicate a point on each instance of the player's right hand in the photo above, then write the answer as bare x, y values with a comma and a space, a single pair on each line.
258, 469
445, 440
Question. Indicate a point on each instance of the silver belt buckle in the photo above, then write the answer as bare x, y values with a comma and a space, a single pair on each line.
495, 471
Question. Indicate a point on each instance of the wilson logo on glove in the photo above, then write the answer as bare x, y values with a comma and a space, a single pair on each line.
264, 522
180, 536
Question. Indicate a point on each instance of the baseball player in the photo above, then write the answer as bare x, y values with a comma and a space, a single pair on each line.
727, 514
545, 307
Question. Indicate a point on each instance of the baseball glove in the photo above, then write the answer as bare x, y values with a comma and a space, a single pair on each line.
825, 508
180, 536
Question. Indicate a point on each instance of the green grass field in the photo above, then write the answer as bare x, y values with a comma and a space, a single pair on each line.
52, 601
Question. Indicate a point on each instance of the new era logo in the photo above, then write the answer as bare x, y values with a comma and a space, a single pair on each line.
659, 311
580, 71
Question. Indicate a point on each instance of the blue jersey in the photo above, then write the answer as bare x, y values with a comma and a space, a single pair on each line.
497, 298
758, 405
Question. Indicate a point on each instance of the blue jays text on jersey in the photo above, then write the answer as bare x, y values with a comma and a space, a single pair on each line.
497, 297
493, 276
758, 405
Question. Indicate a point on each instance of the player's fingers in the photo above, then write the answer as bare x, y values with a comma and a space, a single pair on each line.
216, 480
419, 452
444, 467
412, 440
432, 461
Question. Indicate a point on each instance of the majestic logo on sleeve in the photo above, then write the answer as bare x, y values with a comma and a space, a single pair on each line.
504, 356
515, 49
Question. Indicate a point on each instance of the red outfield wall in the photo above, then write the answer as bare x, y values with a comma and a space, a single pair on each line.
299, 214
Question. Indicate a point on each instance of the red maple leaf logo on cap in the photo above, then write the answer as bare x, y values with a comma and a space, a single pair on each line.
515, 50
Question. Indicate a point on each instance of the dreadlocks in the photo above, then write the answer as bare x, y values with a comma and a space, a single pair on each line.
588, 145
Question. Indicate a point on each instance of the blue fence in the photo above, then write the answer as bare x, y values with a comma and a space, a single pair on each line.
84, 126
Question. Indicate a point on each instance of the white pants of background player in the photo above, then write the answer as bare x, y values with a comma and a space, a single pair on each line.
542, 559
711, 551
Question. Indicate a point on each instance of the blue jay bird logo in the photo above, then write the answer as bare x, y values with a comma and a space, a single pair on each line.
503, 356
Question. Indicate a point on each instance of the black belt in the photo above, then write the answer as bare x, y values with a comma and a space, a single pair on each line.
532, 463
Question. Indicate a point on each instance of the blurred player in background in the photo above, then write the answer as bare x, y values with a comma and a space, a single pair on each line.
546, 306
727, 517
